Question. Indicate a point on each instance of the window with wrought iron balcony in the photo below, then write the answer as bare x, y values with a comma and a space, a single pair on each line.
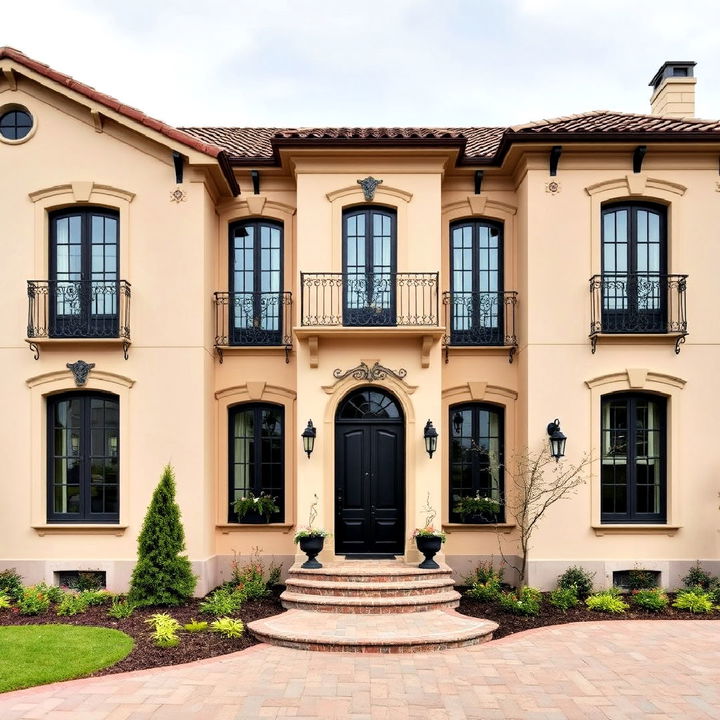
84, 298
255, 311
635, 295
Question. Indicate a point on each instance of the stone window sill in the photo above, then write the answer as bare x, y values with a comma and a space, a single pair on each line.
484, 527
80, 529
227, 528
601, 530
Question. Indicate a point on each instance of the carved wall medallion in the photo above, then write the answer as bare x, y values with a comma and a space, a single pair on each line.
552, 187
80, 371
369, 186
178, 195
371, 374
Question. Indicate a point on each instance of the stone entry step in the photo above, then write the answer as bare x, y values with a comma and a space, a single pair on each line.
387, 633
369, 587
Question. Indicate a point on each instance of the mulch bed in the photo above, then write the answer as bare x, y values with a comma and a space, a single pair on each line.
549, 615
193, 646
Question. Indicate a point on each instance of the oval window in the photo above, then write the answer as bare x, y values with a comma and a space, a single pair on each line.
15, 123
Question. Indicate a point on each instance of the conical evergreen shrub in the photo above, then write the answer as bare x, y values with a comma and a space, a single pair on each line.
162, 576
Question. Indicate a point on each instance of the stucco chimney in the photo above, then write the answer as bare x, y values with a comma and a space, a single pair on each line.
674, 89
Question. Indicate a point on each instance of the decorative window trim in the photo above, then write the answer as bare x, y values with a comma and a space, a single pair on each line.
650, 381
52, 383
638, 187
254, 392
80, 193
385, 196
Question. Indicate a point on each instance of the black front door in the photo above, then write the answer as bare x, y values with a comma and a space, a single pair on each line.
369, 475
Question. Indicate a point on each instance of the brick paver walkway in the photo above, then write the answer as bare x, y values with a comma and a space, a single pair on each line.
612, 670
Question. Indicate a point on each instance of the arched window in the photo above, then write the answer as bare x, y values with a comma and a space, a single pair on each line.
476, 282
256, 282
84, 287
257, 456
369, 266
633, 458
477, 456
634, 268
369, 404
83, 452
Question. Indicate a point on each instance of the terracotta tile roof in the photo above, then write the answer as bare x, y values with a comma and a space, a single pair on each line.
132, 113
365, 133
604, 121
240, 142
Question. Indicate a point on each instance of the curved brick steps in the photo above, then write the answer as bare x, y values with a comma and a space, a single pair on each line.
369, 604
387, 633
311, 586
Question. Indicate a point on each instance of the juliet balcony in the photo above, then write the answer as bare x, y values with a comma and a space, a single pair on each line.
629, 305
481, 319
253, 319
71, 310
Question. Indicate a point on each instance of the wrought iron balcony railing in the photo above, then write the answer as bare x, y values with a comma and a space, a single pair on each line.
381, 299
78, 309
629, 303
253, 318
481, 318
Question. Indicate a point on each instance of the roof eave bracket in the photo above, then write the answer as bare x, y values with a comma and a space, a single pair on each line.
255, 175
555, 153
638, 157
478, 181
179, 163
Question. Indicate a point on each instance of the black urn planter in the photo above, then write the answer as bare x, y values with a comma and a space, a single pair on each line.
428, 545
311, 546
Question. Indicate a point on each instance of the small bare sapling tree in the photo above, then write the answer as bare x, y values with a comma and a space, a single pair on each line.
534, 482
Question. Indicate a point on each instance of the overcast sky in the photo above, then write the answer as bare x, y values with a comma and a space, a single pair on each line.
292, 63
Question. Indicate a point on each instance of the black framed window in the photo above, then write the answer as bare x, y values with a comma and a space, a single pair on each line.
15, 123
634, 268
369, 266
633, 459
476, 282
257, 456
84, 282
83, 451
256, 272
477, 449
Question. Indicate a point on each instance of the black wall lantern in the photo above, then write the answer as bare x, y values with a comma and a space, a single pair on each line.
308, 438
557, 440
431, 437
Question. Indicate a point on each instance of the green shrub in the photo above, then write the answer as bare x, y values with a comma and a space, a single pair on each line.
694, 601
54, 593
484, 573
249, 580
165, 629
714, 594
228, 627
72, 604
162, 576
222, 602
699, 578
34, 600
607, 601
121, 608
526, 601
580, 579
641, 579
195, 626
274, 574
5, 601
11, 584
96, 597
87, 580
485, 591
564, 598
653, 600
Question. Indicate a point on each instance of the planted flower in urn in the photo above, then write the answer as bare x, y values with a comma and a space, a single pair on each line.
311, 539
428, 538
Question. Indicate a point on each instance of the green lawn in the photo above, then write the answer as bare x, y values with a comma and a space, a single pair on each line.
38, 654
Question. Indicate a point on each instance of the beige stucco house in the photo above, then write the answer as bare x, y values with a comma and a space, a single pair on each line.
197, 295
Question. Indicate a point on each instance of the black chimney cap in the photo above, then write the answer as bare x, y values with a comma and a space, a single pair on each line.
673, 68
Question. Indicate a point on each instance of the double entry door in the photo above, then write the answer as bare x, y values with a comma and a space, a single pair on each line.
369, 487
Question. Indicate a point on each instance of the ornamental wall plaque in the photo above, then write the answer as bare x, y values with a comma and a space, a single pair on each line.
371, 374
369, 186
178, 195
80, 371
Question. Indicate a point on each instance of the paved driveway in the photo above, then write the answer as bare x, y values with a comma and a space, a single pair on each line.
617, 670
